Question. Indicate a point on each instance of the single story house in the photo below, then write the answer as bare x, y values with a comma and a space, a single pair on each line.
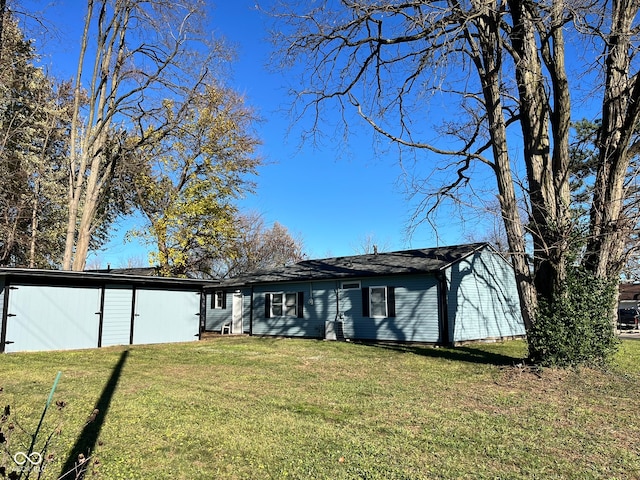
61, 310
443, 295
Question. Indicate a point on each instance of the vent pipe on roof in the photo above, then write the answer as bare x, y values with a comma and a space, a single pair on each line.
375, 249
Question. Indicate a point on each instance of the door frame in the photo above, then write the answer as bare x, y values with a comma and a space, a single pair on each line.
236, 313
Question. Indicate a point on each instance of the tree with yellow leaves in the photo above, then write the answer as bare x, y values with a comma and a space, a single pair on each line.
186, 184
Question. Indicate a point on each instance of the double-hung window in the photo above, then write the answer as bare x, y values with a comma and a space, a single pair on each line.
276, 304
287, 304
378, 302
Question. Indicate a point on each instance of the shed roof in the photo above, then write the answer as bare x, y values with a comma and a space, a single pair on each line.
65, 277
418, 261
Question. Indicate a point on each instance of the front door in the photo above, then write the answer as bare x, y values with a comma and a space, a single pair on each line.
236, 314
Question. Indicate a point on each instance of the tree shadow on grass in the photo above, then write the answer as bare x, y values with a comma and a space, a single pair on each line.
86, 441
459, 354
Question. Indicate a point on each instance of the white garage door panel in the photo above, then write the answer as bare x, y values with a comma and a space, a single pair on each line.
166, 316
52, 318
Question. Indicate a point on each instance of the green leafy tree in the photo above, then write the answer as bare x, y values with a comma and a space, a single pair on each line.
187, 183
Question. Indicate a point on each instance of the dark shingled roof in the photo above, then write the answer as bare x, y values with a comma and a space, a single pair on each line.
429, 260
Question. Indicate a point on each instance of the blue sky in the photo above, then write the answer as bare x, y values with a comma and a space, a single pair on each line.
332, 195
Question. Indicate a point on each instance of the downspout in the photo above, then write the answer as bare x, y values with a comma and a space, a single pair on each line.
443, 310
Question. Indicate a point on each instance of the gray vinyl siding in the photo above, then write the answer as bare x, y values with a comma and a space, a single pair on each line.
215, 318
63, 310
246, 311
482, 298
416, 305
319, 306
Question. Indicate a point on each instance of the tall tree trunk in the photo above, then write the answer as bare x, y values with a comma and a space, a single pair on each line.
620, 114
487, 53
547, 182
77, 151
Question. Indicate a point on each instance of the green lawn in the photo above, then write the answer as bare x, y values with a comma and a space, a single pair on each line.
251, 408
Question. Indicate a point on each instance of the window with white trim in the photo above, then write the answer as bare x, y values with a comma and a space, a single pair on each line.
218, 300
378, 302
350, 285
290, 305
286, 304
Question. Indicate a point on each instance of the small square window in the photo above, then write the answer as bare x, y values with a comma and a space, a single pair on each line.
217, 299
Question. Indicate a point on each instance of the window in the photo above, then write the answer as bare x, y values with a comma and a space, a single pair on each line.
378, 302
276, 305
350, 285
291, 305
218, 300
288, 304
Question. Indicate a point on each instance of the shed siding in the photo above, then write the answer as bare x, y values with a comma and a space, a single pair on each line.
166, 316
116, 316
482, 298
416, 305
52, 318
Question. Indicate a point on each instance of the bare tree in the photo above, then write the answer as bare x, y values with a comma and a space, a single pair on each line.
369, 244
503, 65
135, 57
258, 247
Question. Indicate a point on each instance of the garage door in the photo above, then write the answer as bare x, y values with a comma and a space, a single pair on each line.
52, 318
163, 316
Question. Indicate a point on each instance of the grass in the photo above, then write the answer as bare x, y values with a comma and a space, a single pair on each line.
251, 408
